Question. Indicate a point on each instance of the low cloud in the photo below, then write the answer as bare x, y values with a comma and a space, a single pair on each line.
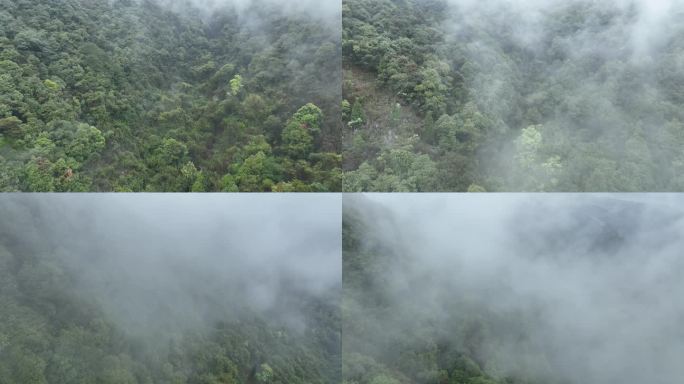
570, 288
183, 261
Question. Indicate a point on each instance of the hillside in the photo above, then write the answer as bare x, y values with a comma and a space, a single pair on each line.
514, 96
146, 95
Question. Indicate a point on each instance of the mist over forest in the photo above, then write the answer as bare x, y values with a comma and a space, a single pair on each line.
133, 289
489, 289
499, 95
169, 95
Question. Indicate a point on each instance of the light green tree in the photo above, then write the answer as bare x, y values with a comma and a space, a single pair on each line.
534, 171
264, 374
236, 85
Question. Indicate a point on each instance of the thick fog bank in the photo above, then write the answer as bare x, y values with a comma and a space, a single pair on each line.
569, 288
180, 261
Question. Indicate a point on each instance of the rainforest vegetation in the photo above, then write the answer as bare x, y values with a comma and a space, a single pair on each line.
461, 95
153, 95
122, 303
512, 289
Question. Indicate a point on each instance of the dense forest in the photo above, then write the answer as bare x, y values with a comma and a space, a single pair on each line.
91, 293
169, 95
493, 95
442, 289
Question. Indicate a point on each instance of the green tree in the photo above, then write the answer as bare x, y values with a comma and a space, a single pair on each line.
87, 142
11, 127
236, 85
298, 136
257, 173
264, 374
383, 379
170, 152
534, 171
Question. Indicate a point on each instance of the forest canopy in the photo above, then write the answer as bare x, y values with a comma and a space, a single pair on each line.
169, 95
495, 95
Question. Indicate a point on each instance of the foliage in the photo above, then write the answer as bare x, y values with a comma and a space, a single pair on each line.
469, 79
127, 93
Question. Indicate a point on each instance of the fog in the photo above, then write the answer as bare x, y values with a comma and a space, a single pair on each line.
158, 262
600, 75
645, 23
567, 288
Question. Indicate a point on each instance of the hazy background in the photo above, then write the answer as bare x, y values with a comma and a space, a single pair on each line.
565, 288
